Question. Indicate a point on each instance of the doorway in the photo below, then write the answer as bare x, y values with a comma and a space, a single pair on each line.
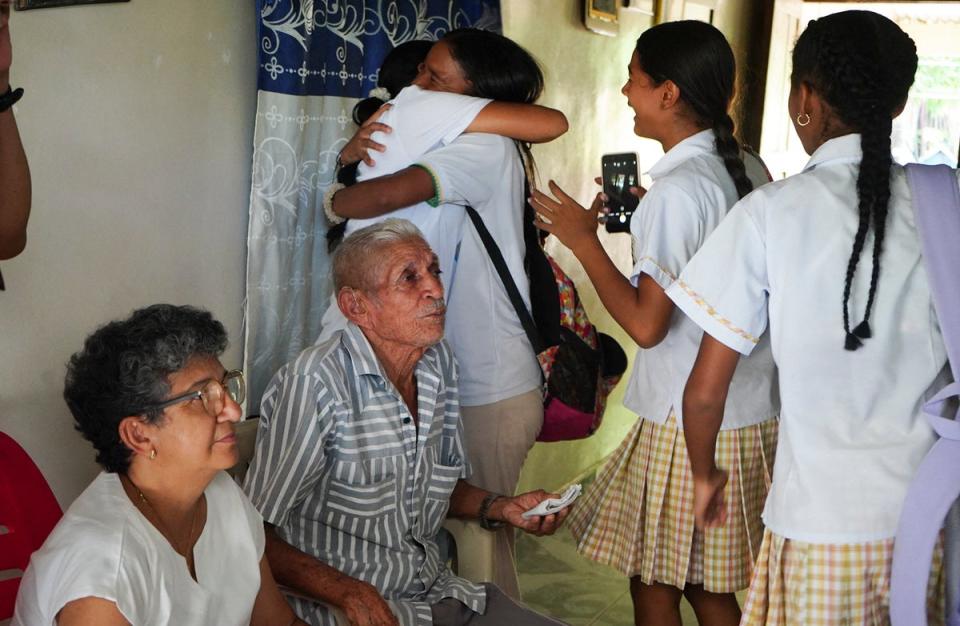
928, 130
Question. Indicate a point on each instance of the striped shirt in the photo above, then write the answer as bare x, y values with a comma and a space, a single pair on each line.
345, 474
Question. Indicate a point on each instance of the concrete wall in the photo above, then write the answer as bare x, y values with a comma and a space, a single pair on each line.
138, 124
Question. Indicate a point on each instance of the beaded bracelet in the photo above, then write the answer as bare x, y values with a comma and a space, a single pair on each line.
332, 217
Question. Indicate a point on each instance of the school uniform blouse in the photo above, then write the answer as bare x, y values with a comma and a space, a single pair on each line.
105, 548
851, 432
421, 121
691, 193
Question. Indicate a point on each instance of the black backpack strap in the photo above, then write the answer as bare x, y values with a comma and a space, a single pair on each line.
496, 257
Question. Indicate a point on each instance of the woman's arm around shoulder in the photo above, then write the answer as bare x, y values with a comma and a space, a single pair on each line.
526, 122
381, 195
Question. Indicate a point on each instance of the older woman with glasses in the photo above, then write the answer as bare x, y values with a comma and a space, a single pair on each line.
162, 535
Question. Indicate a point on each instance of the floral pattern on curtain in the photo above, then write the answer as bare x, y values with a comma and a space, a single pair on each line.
316, 59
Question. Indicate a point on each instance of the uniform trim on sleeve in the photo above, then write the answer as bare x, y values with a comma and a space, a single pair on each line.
710, 319
435, 200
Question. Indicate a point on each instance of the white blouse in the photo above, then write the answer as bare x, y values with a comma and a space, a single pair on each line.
421, 121
851, 432
105, 548
691, 193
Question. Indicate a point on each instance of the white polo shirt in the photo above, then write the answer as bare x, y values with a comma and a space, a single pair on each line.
496, 360
421, 121
691, 193
851, 432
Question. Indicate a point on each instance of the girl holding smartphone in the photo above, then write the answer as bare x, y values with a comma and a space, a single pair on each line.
638, 516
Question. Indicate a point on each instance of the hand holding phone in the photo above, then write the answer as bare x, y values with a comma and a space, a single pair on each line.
620, 173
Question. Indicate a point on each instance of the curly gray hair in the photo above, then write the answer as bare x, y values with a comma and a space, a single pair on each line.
124, 368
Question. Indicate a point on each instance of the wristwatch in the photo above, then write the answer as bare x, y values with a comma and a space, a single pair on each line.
10, 98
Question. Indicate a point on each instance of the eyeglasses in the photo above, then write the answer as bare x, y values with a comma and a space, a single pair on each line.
213, 394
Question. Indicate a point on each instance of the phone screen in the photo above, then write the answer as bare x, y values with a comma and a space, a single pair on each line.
619, 175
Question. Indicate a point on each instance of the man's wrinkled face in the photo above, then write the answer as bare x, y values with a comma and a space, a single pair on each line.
407, 306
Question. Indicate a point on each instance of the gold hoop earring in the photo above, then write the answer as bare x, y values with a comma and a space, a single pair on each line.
153, 454
806, 119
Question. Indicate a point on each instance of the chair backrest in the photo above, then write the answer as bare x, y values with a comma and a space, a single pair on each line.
246, 432
28, 512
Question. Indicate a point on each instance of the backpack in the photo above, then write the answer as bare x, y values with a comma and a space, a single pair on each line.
936, 485
579, 365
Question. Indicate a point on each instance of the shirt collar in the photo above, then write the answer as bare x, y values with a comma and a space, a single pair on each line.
694, 145
844, 149
365, 361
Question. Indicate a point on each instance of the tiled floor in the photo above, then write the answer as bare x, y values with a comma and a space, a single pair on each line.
555, 580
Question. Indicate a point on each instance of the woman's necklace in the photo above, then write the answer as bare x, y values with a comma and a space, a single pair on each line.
186, 549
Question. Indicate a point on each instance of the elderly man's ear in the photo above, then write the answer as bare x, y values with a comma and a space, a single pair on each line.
354, 306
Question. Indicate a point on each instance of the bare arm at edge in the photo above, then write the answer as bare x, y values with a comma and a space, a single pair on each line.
377, 196
527, 122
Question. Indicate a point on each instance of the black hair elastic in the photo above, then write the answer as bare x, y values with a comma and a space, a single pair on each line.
10, 98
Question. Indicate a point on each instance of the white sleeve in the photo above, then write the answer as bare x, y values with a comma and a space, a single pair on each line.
724, 287
86, 567
667, 230
423, 119
463, 171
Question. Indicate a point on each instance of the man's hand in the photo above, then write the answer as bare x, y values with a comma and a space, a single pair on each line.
360, 145
709, 508
364, 606
6, 48
511, 510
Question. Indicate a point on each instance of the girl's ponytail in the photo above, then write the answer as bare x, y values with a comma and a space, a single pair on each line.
729, 150
698, 59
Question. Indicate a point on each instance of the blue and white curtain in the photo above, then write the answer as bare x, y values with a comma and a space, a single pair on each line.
316, 59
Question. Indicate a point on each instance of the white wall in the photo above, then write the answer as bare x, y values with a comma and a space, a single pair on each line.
138, 125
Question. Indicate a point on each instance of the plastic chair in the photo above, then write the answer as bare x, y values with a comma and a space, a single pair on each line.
246, 433
474, 548
28, 512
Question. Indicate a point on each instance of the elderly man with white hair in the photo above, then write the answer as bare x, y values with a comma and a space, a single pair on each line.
360, 454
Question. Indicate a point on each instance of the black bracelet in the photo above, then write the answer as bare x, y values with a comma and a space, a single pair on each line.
485, 522
10, 98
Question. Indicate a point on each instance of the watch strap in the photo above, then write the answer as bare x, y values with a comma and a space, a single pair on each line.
485, 522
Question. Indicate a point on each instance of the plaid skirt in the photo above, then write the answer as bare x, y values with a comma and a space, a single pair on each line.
807, 584
637, 516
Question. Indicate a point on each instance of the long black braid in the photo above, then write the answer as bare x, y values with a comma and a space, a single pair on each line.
862, 65
698, 59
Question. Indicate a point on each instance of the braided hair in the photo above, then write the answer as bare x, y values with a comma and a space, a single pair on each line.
698, 59
862, 65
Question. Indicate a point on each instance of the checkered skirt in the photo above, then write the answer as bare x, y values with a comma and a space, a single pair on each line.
638, 515
796, 583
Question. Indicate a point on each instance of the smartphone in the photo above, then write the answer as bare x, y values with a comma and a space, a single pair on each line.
620, 173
